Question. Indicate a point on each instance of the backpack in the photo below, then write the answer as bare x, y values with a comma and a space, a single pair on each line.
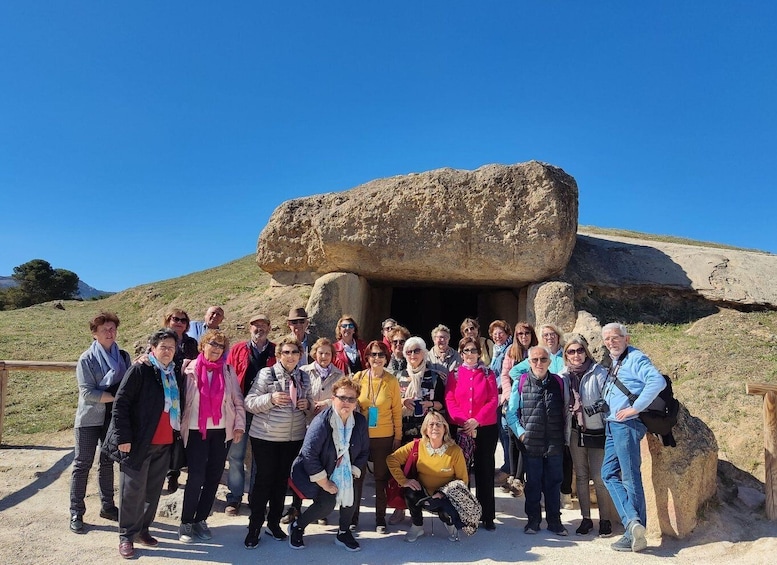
661, 416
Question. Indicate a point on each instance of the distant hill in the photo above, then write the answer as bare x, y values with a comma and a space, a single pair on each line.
85, 292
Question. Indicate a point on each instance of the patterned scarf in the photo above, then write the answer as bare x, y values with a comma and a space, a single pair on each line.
211, 391
172, 395
342, 476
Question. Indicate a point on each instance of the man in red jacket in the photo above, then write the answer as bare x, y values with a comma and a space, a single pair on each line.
248, 358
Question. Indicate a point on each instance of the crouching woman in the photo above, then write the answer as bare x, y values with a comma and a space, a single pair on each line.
336, 447
438, 461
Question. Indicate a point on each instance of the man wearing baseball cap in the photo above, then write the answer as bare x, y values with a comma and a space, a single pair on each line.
248, 358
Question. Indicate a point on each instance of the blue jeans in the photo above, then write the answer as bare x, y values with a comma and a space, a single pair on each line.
621, 469
543, 476
236, 476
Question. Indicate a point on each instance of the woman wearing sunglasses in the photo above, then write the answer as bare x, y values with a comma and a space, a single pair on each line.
471, 400
213, 416
349, 349
380, 401
587, 378
280, 400
423, 388
333, 454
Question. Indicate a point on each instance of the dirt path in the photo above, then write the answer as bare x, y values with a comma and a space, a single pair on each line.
34, 487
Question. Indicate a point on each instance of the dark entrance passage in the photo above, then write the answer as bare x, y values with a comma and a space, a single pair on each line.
421, 309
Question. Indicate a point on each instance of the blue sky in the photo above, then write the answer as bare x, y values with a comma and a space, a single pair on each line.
141, 141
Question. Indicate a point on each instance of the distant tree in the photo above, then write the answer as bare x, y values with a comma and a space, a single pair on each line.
39, 282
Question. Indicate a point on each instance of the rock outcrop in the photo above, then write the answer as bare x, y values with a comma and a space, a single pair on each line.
497, 225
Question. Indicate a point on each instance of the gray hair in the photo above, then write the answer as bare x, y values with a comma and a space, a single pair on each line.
615, 327
414, 342
542, 348
556, 331
441, 328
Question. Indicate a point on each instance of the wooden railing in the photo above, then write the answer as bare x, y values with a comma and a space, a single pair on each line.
769, 392
6, 366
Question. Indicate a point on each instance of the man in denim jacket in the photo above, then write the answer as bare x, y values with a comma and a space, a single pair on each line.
622, 458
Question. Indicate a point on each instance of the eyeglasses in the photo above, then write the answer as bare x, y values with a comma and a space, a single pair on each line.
297, 322
289, 352
216, 345
549, 335
179, 320
348, 399
347, 326
539, 360
522, 333
470, 329
415, 351
398, 341
435, 425
469, 350
578, 351
375, 354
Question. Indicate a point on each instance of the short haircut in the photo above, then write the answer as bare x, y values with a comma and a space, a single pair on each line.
346, 382
413, 343
286, 340
401, 331
178, 313
542, 348
499, 324
469, 322
338, 331
218, 335
101, 318
441, 328
463, 342
383, 323
160, 335
321, 342
612, 326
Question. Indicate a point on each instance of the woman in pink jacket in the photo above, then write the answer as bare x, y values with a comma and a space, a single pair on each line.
213, 416
471, 399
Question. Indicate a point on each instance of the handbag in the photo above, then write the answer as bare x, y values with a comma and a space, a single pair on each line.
394, 496
591, 439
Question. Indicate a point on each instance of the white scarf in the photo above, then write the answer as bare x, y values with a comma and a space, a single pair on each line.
342, 476
414, 388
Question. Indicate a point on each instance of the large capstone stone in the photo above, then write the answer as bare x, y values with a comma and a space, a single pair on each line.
497, 225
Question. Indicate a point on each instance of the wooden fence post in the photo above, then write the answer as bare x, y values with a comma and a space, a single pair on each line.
769, 393
3, 389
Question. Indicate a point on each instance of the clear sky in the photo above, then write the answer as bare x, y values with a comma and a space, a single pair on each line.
146, 140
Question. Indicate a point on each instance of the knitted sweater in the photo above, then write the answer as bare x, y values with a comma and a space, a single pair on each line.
434, 470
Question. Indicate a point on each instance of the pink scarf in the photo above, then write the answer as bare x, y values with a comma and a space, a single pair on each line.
211, 393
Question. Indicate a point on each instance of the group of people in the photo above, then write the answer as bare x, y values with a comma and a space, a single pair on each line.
316, 414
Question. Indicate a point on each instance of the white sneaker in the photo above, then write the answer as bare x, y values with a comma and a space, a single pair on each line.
453, 533
637, 531
414, 533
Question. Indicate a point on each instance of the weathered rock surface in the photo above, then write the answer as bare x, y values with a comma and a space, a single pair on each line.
723, 276
497, 225
552, 303
679, 480
335, 295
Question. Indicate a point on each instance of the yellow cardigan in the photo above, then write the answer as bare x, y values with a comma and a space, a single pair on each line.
388, 400
434, 471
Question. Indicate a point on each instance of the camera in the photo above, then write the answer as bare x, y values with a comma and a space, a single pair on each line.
598, 406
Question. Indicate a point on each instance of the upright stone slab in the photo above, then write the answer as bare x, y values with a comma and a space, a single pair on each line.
335, 295
552, 303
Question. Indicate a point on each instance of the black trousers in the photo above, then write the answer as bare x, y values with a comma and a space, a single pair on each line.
207, 458
272, 460
322, 506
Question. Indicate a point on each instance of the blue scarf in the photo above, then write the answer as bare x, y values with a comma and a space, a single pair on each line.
172, 396
111, 363
499, 355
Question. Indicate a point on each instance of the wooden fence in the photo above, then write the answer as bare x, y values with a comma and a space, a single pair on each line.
6, 366
769, 393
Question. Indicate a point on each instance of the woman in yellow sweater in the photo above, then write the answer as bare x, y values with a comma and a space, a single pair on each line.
440, 461
380, 401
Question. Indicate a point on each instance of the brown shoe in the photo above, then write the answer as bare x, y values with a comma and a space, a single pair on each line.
145, 538
232, 509
126, 550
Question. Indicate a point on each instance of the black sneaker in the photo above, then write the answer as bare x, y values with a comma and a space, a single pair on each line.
110, 513
558, 529
605, 528
531, 528
586, 525
275, 531
252, 539
77, 524
296, 539
345, 539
